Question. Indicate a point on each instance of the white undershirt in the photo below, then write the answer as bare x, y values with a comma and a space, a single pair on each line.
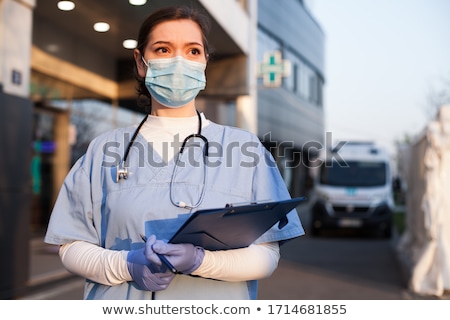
109, 267
166, 134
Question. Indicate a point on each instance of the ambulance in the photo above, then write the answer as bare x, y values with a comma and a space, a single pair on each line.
353, 189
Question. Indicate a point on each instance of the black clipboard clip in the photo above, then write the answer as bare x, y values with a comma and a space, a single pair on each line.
238, 204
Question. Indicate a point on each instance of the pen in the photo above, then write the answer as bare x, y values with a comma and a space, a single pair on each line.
162, 257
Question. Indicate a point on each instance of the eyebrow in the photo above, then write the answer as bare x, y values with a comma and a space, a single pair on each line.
168, 43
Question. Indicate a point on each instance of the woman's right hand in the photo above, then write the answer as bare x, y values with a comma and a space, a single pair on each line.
148, 275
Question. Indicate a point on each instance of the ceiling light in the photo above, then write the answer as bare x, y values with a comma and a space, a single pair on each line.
129, 44
101, 27
137, 2
66, 5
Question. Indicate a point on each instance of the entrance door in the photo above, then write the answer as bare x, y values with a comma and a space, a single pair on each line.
50, 161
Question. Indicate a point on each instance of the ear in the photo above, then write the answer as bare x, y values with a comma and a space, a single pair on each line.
141, 67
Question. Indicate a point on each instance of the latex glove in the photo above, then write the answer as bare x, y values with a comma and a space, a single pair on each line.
185, 257
151, 276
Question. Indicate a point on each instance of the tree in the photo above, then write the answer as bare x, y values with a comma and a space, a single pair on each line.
85, 123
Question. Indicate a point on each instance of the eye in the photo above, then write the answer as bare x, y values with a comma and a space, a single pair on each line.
195, 51
161, 50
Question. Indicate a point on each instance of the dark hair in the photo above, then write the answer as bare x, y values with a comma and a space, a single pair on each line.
157, 17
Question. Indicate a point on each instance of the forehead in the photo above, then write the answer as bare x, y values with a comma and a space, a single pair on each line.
176, 30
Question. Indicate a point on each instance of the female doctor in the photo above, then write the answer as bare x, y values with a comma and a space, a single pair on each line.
102, 208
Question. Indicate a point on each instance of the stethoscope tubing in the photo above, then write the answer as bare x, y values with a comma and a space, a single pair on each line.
122, 170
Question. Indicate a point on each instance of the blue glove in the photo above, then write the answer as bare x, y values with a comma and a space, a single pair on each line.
151, 276
185, 257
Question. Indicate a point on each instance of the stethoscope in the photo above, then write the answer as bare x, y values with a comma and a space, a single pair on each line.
122, 170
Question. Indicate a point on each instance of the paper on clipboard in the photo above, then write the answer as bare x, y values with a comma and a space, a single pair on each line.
233, 227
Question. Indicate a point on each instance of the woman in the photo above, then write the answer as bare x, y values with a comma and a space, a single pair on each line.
102, 209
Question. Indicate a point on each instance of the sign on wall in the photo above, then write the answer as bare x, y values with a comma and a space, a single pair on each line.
273, 69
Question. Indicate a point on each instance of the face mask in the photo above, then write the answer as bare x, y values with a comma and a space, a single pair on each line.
174, 82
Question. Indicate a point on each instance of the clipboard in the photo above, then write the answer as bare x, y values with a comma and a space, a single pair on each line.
234, 226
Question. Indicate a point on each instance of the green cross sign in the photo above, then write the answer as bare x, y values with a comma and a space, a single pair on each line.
273, 69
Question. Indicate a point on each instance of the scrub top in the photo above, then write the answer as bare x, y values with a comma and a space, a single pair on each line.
93, 207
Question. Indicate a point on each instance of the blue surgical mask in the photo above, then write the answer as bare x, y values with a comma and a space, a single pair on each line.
174, 82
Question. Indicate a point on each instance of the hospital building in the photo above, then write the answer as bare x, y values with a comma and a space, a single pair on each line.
66, 76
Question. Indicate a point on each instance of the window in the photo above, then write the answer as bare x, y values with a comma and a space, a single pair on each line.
356, 174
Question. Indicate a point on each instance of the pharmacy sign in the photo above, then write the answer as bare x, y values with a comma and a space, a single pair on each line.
273, 68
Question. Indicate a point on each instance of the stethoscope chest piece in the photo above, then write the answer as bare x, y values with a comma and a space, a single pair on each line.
121, 172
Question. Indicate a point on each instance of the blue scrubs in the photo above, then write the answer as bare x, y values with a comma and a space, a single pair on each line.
93, 207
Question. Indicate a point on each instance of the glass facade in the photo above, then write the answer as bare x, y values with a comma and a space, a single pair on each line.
90, 118
304, 81
66, 118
